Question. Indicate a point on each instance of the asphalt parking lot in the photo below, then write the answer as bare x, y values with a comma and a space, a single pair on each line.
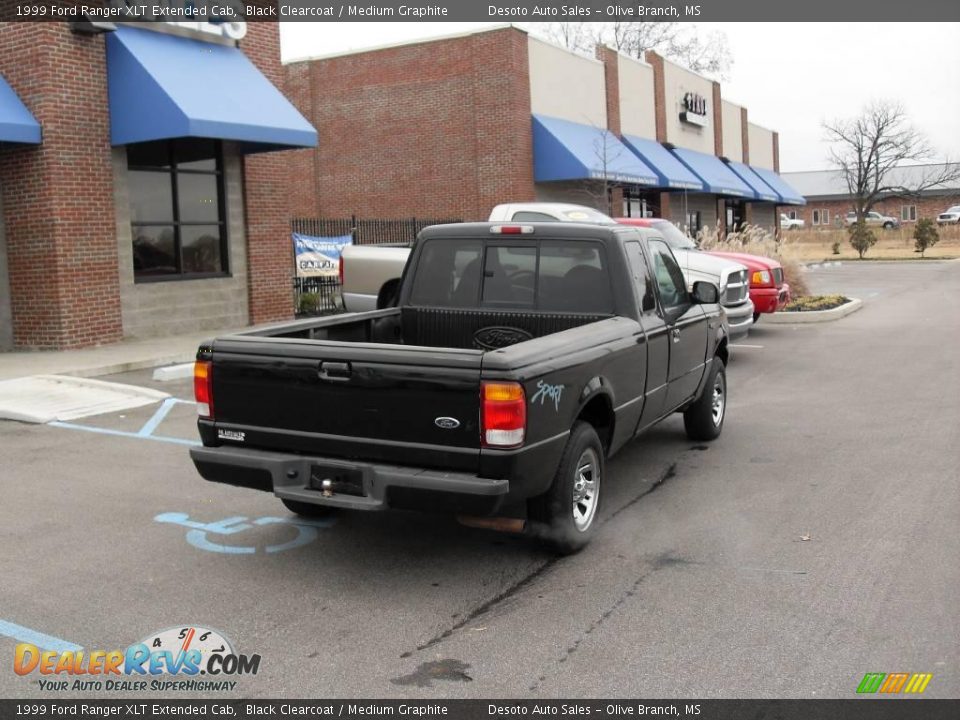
815, 541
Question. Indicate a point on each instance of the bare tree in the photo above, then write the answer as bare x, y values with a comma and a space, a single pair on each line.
707, 54
868, 150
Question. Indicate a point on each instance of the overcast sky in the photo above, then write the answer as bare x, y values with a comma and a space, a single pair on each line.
790, 76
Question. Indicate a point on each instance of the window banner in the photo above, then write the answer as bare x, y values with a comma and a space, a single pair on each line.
319, 256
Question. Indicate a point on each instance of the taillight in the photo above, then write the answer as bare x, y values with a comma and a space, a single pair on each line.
341, 270
203, 387
503, 416
760, 277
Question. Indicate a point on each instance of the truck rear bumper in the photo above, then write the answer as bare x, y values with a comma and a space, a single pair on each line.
355, 485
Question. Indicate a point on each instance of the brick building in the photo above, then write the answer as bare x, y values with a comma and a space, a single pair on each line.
141, 188
453, 126
828, 200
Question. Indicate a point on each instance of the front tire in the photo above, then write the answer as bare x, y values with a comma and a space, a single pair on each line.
308, 510
704, 419
565, 517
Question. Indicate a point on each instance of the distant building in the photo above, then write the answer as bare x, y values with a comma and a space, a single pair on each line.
451, 127
828, 200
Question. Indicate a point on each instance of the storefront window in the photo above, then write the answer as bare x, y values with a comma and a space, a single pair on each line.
177, 209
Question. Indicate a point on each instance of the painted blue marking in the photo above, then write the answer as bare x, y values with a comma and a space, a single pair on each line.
123, 433
197, 535
41, 640
158, 417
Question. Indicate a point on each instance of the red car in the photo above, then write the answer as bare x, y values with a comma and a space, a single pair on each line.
768, 291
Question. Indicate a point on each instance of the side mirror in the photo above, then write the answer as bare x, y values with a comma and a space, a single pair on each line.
705, 293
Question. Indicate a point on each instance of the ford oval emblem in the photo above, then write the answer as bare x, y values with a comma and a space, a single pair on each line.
447, 423
491, 338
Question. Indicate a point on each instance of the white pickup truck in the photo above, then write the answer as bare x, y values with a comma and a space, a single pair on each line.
371, 273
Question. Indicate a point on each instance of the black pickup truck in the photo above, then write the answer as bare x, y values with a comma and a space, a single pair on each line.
519, 357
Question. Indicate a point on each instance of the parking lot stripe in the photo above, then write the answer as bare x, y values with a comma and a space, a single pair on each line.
159, 416
25, 634
754, 347
122, 433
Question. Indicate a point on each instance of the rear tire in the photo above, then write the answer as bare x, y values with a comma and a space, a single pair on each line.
756, 316
704, 419
308, 510
565, 517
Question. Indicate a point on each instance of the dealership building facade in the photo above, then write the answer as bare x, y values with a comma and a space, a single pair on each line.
149, 171
453, 126
142, 180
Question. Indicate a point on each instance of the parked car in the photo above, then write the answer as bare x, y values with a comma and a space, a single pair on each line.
874, 218
769, 291
370, 275
789, 223
519, 358
950, 216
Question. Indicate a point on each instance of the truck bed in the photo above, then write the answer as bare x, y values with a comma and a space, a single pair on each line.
478, 329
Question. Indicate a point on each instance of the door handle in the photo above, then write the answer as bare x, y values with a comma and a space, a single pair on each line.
334, 371
676, 335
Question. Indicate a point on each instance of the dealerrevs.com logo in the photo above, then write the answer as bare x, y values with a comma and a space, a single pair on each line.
172, 659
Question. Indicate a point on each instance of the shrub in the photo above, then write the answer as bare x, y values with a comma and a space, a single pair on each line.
816, 302
308, 303
861, 237
836, 248
925, 235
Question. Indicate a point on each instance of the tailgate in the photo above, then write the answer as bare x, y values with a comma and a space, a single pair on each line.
350, 400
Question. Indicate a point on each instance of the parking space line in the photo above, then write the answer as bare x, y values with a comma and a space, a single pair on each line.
754, 347
160, 415
123, 433
34, 637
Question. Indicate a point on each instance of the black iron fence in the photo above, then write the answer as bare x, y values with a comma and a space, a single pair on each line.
317, 295
367, 232
321, 295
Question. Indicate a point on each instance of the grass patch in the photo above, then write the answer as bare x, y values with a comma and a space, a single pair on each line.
809, 303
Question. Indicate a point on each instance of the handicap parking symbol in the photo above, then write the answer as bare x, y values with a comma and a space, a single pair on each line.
198, 534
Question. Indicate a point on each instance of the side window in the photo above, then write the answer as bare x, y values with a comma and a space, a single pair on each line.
638, 270
668, 276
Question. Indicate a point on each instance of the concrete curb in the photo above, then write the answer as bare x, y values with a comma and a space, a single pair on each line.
813, 316
121, 367
173, 372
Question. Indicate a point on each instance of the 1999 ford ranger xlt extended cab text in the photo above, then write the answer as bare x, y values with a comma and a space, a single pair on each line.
519, 358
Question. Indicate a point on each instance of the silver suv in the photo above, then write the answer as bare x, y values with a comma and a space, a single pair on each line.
874, 219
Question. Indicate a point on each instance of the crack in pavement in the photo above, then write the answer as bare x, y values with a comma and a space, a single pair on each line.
658, 564
481, 609
670, 472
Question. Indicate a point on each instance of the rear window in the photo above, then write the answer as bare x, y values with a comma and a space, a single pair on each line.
551, 276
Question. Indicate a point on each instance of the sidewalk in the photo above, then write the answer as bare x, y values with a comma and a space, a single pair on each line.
106, 359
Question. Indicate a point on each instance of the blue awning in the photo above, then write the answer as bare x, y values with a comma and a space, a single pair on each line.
164, 86
762, 190
565, 150
671, 172
787, 194
717, 177
17, 124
